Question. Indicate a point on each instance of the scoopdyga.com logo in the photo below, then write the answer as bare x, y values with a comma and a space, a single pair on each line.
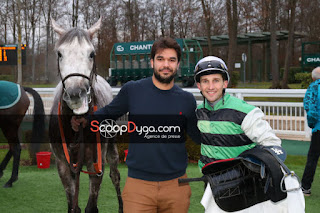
108, 128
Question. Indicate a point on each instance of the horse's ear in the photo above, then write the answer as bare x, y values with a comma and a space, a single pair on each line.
94, 28
57, 28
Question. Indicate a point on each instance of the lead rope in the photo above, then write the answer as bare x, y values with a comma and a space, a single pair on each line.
98, 165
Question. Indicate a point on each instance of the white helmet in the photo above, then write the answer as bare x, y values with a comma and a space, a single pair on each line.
211, 65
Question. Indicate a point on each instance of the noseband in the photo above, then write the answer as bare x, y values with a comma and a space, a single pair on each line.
93, 74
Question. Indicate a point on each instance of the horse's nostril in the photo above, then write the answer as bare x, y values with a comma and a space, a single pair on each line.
74, 93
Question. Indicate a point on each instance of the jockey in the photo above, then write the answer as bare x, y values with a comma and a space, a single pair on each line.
231, 128
228, 125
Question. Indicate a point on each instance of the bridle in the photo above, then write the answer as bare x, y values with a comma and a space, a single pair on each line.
93, 75
75, 168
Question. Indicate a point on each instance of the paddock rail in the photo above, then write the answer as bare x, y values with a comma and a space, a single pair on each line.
286, 118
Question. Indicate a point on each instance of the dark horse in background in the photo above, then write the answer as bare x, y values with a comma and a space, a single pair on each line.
10, 121
79, 91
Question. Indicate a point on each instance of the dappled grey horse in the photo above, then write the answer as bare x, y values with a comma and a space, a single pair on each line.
79, 92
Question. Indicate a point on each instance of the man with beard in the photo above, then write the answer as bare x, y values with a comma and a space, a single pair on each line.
156, 164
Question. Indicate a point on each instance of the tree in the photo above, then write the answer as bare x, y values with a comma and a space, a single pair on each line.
172, 19
75, 11
274, 47
307, 19
5, 20
152, 20
163, 16
140, 20
246, 10
19, 7
185, 12
232, 17
288, 58
265, 26
13, 6
47, 12
143, 25
25, 20
132, 13
33, 17
206, 11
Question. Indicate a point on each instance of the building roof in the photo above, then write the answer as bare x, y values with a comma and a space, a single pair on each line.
259, 37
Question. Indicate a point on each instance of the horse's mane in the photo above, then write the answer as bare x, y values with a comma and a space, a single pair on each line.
69, 36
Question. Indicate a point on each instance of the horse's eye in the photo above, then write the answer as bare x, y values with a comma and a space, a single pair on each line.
59, 54
92, 54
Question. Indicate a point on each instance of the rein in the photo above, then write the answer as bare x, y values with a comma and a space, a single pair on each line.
74, 167
98, 165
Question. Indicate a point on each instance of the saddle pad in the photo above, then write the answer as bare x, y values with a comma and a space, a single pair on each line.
211, 206
9, 94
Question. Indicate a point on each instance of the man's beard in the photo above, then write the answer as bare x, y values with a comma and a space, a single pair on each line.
164, 80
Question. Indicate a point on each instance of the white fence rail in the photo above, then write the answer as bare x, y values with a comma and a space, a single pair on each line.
286, 118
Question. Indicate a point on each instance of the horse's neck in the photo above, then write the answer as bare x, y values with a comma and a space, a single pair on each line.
102, 91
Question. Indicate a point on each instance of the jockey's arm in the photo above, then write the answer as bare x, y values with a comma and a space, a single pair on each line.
258, 129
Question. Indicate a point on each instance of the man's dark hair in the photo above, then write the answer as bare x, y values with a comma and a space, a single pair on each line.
165, 43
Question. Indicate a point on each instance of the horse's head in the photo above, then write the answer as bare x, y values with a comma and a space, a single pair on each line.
76, 65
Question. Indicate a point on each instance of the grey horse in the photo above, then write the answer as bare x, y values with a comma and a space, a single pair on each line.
79, 90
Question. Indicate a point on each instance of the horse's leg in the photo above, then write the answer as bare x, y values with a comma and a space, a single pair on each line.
69, 183
5, 162
95, 182
15, 150
113, 159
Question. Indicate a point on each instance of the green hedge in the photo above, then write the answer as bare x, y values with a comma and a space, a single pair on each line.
304, 78
292, 73
235, 78
193, 150
7, 78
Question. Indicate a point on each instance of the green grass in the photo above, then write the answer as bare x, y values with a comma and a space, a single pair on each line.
40, 190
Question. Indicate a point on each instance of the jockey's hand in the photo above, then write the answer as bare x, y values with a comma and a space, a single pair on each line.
76, 121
